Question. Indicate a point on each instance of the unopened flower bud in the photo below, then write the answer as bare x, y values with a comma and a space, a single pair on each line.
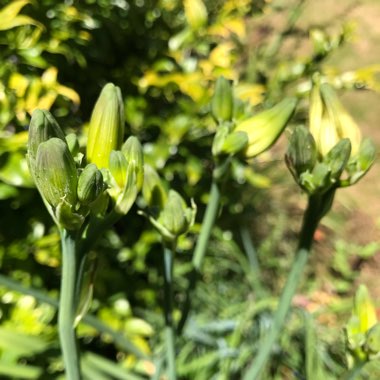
56, 173
42, 127
73, 143
337, 158
372, 343
264, 128
302, 152
175, 218
153, 191
222, 103
118, 167
106, 129
133, 153
90, 184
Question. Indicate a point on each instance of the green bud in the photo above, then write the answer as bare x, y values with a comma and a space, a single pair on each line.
222, 102
367, 154
219, 139
196, 13
235, 142
72, 143
42, 127
372, 344
364, 309
153, 191
264, 128
90, 184
338, 157
302, 152
56, 173
106, 129
118, 167
175, 218
133, 152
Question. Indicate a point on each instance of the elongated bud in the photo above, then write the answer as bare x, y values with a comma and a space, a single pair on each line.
133, 152
118, 167
222, 102
367, 154
345, 124
364, 309
235, 142
72, 143
338, 157
106, 128
153, 191
196, 13
302, 152
42, 127
90, 184
56, 173
264, 128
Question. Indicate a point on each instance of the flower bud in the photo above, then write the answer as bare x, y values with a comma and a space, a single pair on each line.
153, 191
56, 173
133, 152
90, 184
222, 102
264, 128
337, 158
329, 121
72, 143
42, 127
372, 343
219, 139
235, 142
302, 152
106, 129
175, 218
118, 167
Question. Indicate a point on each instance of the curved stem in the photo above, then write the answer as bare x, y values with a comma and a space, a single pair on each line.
67, 306
200, 249
168, 311
317, 207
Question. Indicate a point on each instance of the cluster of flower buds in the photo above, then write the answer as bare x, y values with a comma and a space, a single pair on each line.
363, 330
331, 153
250, 136
69, 190
167, 211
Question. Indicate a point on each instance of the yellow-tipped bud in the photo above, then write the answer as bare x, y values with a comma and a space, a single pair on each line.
330, 122
106, 128
264, 128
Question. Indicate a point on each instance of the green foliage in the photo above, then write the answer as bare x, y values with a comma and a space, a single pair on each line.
166, 57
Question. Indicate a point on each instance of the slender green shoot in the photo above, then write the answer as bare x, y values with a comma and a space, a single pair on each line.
67, 306
168, 311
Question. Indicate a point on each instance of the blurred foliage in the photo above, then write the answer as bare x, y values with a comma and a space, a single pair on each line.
165, 55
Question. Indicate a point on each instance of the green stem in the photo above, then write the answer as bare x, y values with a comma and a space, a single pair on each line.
67, 306
318, 205
168, 311
90, 320
200, 249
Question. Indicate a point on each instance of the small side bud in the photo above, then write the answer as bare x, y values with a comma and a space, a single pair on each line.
302, 152
42, 127
338, 157
153, 190
118, 167
90, 184
56, 173
133, 153
222, 102
72, 143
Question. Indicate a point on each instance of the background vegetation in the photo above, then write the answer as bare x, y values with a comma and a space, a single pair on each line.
58, 55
